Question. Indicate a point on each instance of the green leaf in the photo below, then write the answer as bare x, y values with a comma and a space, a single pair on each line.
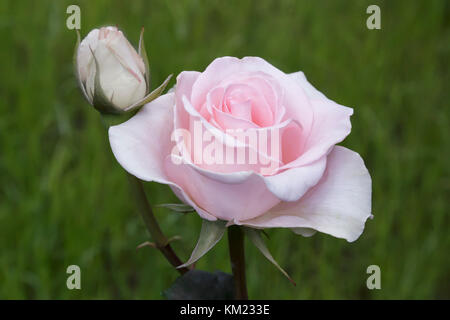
255, 237
151, 96
143, 54
201, 285
77, 70
210, 234
177, 207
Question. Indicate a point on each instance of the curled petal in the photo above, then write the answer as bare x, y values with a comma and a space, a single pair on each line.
224, 196
331, 124
338, 205
309, 89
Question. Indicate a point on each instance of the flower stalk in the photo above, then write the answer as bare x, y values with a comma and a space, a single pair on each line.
237, 259
145, 209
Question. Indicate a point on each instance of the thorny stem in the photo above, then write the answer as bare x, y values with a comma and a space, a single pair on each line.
145, 209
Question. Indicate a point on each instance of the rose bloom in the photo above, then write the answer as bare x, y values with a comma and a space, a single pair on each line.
121, 68
311, 184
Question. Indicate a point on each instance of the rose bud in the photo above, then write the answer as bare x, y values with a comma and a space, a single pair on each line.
112, 75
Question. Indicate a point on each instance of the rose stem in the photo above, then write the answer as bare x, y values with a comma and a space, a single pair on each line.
162, 244
237, 259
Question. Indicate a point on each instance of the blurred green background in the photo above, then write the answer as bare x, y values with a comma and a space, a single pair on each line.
65, 200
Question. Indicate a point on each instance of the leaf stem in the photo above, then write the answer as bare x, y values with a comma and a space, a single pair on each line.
237, 259
145, 209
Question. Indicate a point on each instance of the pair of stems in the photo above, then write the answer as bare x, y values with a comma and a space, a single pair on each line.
235, 241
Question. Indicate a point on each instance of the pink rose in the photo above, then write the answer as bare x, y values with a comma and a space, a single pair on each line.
246, 143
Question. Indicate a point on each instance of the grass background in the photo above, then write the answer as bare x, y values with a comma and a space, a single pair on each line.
65, 200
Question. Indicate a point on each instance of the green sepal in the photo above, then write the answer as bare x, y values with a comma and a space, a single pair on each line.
210, 234
255, 237
119, 116
151, 96
177, 207
143, 54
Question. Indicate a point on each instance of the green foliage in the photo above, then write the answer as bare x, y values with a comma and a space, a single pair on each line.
65, 200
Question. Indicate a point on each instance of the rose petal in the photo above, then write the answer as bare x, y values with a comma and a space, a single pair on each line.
199, 127
119, 83
331, 124
289, 185
185, 80
338, 205
225, 199
294, 99
221, 68
141, 144
221, 115
125, 52
84, 55
309, 89
293, 183
268, 92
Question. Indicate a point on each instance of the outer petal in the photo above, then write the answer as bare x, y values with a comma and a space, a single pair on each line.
123, 48
293, 183
142, 143
234, 197
338, 205
331, 124
309, 89
84, 55
242, 195
119, 83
